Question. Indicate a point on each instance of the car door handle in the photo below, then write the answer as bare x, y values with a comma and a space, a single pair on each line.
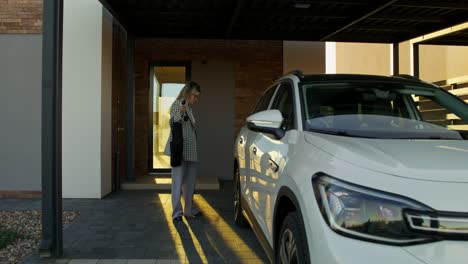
254, 150
273, 165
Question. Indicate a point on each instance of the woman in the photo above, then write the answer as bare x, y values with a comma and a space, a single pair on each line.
183, 176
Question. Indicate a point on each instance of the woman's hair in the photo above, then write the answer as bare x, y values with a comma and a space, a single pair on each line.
189, 88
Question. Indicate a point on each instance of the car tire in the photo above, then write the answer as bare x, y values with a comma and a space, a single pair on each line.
292, 244
238, 216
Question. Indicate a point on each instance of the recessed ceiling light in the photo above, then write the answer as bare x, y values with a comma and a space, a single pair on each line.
301, 5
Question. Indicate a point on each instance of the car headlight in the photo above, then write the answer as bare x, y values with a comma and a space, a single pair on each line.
365, 213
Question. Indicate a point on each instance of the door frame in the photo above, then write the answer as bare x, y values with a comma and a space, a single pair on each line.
119, 106
188, 71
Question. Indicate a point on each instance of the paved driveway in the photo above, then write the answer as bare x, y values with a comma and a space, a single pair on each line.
138, 225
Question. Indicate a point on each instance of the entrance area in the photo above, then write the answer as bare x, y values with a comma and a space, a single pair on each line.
167, 80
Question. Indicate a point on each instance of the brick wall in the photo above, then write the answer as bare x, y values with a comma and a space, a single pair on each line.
20, 194
20, 16
257, 65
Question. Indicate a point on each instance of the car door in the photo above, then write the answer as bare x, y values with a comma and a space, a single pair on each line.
246, 147
269, 156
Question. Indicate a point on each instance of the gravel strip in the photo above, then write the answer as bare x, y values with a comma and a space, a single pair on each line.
28, 224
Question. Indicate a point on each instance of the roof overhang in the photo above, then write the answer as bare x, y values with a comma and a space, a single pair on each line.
375, 21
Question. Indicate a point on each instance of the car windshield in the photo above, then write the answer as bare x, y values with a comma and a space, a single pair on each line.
383, 110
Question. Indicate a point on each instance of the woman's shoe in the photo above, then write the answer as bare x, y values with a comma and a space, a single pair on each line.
196, 215
177, 219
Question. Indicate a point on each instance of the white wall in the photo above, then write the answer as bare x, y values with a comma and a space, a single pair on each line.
20, 112
84, 110
432, 63
309, 57
330, 57
405, 58
363, 58
457, 61
436, 62
439, 63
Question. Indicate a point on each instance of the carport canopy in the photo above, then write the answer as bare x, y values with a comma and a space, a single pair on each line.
374, 21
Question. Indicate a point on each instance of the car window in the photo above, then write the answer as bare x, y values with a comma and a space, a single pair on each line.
383, 110
264, 101
284, 103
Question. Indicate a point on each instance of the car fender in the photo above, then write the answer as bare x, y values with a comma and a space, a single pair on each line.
285, 192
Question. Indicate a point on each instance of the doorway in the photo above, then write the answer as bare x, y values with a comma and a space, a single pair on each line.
166, 81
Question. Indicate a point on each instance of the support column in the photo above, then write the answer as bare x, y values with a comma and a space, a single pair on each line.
396, 58
52, 242
416, 60
130, 118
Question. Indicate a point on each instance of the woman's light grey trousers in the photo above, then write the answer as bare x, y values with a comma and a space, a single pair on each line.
183, 182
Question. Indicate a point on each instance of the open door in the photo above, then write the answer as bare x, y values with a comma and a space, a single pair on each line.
167, 80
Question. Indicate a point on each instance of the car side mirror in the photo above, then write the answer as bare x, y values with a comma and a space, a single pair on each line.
268, 122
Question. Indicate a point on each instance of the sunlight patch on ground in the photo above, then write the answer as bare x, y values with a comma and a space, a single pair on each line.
178, 244
163, 180
223, 231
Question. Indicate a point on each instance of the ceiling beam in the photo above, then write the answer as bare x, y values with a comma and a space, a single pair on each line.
342, 2
293, 12
369, 38
447, 42
385, 29
408, 18
304, 36
434, 5
376, 10
234, 17
141, 33
450, 31
252, 12
187, 27
455, 38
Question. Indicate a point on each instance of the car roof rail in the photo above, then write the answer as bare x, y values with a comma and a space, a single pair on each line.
298, 73
407, 76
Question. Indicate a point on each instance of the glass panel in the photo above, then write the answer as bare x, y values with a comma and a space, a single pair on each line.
383, 110
167, 83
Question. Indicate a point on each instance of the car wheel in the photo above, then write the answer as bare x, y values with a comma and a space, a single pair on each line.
292, 244
238, 216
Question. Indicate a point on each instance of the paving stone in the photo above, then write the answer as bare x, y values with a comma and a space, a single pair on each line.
112, 261
164, 261
83, 261
62, 261
141, 261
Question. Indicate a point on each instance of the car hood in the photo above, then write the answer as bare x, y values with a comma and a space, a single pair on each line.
453, 252
431, 160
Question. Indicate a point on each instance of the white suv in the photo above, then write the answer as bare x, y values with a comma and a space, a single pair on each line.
355, 169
